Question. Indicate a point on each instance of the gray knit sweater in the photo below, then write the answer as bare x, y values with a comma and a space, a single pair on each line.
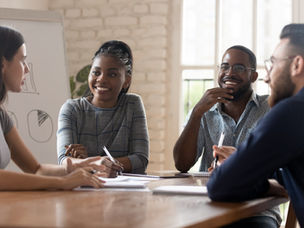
122, 129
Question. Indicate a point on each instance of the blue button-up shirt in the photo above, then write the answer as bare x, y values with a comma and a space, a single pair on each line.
216, 121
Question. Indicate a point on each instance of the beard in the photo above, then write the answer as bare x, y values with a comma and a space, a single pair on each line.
240, 92
281, 89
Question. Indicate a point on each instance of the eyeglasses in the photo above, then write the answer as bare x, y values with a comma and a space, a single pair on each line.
269, 62
236, 68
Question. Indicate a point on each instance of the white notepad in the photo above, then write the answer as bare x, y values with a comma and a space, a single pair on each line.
181, 189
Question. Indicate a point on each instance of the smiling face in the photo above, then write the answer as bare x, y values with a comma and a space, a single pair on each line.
14, 71
106, 80
239, 82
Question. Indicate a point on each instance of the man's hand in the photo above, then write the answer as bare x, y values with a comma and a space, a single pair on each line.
211, 97
223, 152
275, 189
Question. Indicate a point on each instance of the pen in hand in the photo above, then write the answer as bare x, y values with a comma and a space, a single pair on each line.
110, 156
220, 143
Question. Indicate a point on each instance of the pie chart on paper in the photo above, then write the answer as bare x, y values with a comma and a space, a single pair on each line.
40, 125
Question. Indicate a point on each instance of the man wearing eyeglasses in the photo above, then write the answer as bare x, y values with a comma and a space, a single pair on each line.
232, 108
276, 146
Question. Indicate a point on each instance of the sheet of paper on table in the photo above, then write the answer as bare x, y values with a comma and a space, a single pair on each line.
181, 189
127, 181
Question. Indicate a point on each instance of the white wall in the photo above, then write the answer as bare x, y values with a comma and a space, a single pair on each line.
25, 4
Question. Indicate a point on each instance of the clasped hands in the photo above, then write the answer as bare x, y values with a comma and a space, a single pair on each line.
103, 166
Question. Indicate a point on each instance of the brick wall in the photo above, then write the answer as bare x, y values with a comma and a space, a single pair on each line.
143, 24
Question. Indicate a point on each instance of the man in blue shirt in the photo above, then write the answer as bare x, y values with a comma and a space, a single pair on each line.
276, 146
232, 108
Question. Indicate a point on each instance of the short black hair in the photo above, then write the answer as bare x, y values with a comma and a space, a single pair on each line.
251, 55
295, 33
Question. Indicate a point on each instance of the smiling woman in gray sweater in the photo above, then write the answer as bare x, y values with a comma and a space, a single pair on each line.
108, 116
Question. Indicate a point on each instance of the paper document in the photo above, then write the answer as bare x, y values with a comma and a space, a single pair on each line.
128, 184
181, 189
125, 182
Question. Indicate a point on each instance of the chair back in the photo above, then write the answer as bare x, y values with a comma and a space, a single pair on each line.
295, 193
291, 221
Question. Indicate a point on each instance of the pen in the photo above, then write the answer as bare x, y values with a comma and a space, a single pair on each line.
108, 154
220, 143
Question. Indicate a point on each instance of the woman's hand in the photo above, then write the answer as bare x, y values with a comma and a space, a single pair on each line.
76, 151
83, 163
103, 166
112, 168
80, 177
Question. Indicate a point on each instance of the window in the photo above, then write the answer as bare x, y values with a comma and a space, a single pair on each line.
209, 27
